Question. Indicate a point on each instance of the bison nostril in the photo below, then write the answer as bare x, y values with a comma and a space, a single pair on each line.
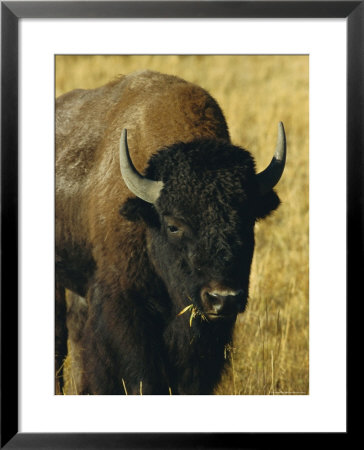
217, 303
222, 301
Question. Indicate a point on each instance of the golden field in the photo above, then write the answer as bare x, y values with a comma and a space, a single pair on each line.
270, 353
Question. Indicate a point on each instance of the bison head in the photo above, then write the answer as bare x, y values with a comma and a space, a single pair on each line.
200, 201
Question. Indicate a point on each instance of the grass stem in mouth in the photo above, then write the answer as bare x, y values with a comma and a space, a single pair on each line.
195, 312
185, 309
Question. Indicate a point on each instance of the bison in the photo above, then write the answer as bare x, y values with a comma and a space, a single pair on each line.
155, 214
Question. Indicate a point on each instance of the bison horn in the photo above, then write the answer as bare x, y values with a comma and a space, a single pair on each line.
142, 187
270, 176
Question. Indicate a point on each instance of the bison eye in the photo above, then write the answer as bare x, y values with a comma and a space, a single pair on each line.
174, 228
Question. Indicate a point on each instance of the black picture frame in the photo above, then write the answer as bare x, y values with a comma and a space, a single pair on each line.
11, 12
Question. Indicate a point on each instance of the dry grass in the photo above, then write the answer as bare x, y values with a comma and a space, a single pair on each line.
270, 349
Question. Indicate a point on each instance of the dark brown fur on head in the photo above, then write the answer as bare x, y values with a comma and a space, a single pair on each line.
210, 194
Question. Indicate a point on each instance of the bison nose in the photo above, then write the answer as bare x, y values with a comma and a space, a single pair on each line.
221, 303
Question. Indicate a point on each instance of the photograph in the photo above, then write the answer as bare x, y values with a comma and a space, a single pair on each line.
181, 224
181, 210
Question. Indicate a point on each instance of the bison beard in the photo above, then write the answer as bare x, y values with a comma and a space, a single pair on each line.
185, 245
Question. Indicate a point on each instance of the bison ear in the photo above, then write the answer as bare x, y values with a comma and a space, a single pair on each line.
136, 209
266, 204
